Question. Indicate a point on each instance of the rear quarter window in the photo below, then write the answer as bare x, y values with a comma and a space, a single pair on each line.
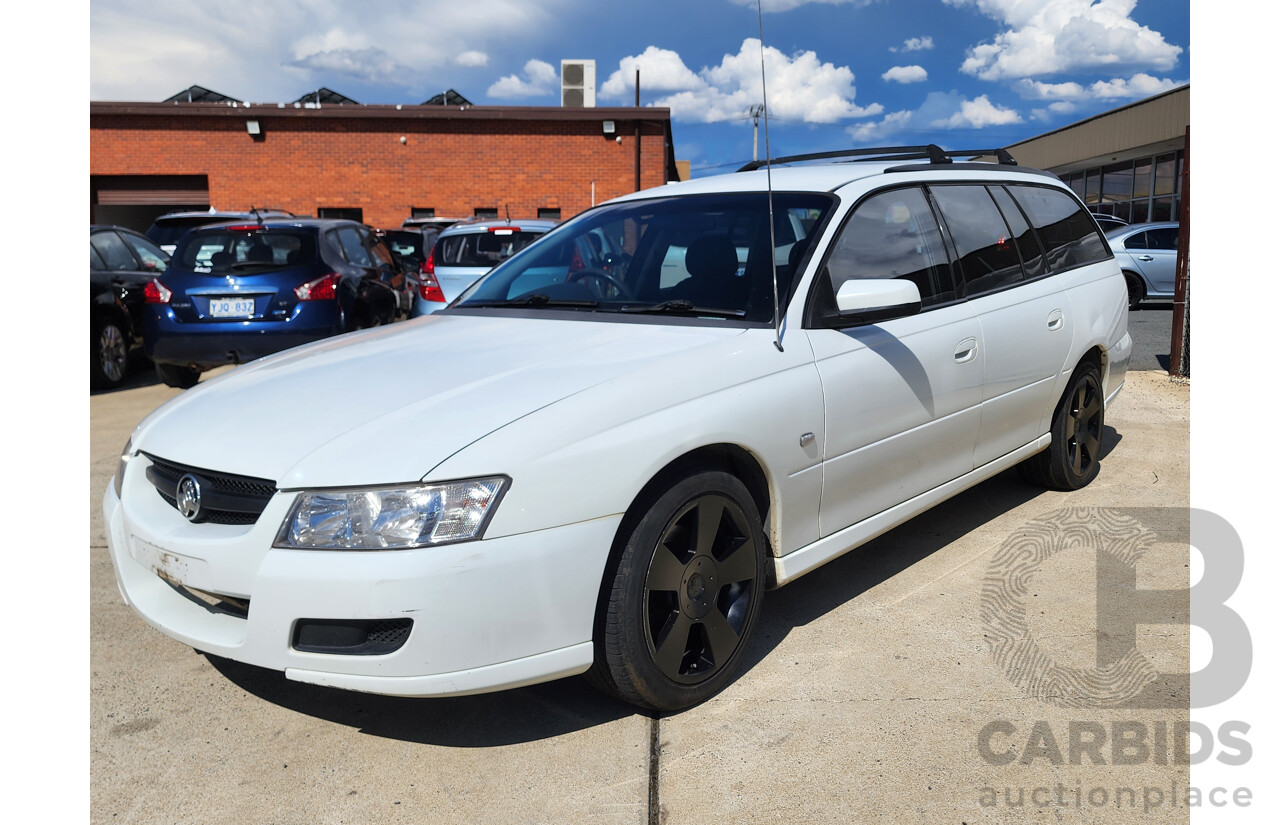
1069, 236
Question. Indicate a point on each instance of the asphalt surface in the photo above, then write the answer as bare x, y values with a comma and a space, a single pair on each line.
874, 689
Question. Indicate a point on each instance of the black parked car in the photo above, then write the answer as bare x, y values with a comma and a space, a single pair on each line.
121, 263
169, 228
410, 247
239, 291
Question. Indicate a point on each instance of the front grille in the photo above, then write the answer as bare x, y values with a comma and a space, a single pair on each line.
227, 498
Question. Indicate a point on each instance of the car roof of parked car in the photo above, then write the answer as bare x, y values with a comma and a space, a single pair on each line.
485, 224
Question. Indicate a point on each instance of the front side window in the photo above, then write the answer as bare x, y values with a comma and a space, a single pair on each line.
985, 245
892, 235
705, 256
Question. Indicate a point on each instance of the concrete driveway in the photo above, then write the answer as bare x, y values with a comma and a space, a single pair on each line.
876, 688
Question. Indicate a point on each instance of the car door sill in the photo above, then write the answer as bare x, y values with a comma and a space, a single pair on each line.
795, 564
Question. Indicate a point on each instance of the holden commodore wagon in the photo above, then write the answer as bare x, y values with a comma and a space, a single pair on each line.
775, 367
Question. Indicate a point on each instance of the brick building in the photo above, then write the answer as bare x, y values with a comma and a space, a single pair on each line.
376, 163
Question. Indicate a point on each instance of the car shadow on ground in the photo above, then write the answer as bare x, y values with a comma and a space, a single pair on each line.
141, 373
567, 705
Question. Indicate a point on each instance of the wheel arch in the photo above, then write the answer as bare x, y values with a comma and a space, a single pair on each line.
729, 458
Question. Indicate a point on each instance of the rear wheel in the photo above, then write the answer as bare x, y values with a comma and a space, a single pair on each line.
108, 355
176, 375
1137, 290
685, 597
1071, 460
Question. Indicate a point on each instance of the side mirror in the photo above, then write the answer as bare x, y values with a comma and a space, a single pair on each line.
874, 300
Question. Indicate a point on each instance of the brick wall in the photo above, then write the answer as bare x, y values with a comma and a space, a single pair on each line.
302, 164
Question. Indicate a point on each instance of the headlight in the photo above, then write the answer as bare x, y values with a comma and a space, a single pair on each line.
118, 481
391, 518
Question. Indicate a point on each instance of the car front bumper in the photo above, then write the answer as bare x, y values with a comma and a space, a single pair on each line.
486, 615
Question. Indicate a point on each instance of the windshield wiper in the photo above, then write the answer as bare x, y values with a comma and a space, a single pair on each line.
537, 299
683, 306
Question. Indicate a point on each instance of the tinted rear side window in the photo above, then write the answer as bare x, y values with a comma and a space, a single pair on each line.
988, 257
1028, 246
487, 249
1069, 236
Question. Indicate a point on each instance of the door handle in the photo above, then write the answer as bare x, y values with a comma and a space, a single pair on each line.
1145, 258
1055, 320
966, 350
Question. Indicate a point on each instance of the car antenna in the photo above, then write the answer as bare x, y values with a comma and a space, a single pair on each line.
779, 323
253, 210
507, 207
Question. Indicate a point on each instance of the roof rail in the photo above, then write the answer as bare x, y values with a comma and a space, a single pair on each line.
932, 153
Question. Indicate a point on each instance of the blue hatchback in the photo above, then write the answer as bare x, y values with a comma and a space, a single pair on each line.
236, 292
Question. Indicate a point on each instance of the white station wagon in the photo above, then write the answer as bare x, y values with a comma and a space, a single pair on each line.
662, 408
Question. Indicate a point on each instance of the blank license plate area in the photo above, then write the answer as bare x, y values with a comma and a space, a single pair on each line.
236, 307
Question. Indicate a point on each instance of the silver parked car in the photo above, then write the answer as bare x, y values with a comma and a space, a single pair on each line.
1148, 256
465, 251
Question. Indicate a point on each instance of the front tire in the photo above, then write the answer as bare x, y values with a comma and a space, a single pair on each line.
175, 375
1071, 459
685, 597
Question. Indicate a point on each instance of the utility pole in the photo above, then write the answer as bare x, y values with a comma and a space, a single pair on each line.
637, 129
754, 113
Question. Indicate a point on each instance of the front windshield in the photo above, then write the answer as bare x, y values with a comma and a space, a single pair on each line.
702, 255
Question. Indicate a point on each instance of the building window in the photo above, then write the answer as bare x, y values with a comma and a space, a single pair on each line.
422, 211
486, 213
343, 212
1137, 191
549, 214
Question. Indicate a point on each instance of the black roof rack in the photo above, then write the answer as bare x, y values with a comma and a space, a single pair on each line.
932, 153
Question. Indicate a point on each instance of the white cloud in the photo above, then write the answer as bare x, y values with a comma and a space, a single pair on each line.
940, 111
977, 113
905, 74
472, 59
540, 78
788, 5
892, 123
661, 70
801, 87
276, 51
1139, 86
914, 44
1053, 36
363, 65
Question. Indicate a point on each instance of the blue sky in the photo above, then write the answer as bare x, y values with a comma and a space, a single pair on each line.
961, 73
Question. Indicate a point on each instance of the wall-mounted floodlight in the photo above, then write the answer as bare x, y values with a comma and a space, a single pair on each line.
254, 127
609, 127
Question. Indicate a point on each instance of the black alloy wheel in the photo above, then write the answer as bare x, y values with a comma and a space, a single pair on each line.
1072, 458
686, 595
